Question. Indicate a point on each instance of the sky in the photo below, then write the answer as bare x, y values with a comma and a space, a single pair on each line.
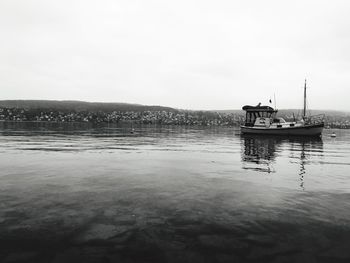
187, 54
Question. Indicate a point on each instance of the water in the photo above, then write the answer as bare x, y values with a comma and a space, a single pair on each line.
74, 193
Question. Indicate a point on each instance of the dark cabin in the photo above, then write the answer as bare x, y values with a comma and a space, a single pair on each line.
253, 112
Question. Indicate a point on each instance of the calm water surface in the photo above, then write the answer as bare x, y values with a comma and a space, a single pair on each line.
73, 193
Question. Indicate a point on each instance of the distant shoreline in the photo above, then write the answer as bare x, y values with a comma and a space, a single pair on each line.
139, 114
133, 123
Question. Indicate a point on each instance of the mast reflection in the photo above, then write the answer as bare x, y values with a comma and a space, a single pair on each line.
302, 151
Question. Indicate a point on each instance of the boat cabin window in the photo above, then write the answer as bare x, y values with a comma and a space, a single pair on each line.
252, 113
266, 114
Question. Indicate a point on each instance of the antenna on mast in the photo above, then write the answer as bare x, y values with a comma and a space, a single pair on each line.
304, 111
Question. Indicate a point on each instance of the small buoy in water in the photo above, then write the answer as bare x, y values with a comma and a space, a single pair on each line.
333, 135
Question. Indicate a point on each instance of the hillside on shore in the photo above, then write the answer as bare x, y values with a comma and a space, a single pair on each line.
71, 105
79, 106
99, 112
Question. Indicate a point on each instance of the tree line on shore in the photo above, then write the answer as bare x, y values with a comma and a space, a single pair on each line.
170, 117
97, 112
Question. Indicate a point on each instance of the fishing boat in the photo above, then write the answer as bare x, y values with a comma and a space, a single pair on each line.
263, 120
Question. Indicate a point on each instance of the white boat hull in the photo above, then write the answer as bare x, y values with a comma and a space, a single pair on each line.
306, 130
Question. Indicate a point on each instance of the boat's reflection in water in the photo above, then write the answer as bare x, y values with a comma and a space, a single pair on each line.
261, 153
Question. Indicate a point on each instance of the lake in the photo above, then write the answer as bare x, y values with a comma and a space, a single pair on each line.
76, 193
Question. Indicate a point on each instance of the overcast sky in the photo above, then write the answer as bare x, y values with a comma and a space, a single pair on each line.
188, 54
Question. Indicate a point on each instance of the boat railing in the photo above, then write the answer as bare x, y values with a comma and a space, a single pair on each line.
315, 119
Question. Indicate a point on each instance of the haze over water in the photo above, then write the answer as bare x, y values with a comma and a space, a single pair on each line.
74, 193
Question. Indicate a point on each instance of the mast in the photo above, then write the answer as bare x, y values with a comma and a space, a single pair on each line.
304, 111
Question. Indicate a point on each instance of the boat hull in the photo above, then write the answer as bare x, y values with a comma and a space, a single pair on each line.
306, 130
